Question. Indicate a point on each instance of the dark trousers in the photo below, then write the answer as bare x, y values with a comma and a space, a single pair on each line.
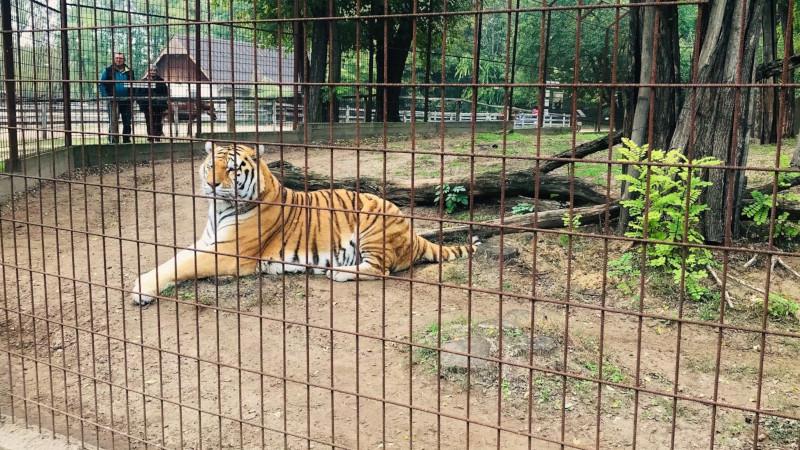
154, 119
123, 109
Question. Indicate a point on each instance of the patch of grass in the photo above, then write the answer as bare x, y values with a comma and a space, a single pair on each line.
506, 388
454, 274
782, 431
709, 310
781, 307
430, 337
611, 372
596, 172
497, 138
699, 365
660, 409
545, 389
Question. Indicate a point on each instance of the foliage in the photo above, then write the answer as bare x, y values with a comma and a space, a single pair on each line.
455, 197
660, 208
760, 211
570, 224
522, 208
780, 307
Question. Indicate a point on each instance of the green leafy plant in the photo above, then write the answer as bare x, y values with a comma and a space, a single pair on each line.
760, 210
780, 307
659, 206
570, 224
625, 270
522, 208
455, 197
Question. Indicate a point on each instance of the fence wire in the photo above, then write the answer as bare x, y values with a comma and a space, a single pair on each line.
440, 224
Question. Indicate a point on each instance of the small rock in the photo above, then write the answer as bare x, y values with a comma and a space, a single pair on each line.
761, 437
517, 318
490, 249
458, 363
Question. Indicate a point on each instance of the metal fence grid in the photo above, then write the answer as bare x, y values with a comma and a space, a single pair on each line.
559, 331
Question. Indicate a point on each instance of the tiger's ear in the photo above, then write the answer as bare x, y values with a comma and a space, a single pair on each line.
209, 147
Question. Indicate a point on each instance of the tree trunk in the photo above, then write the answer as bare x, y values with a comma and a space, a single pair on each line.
392, 55
796, 155
336, 70
370, 79
319, 62
714, 114
769, 93
789, 104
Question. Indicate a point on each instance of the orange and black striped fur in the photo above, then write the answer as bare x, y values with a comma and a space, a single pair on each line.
273, 238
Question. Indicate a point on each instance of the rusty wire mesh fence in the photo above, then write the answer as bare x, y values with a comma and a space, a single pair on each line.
159, 291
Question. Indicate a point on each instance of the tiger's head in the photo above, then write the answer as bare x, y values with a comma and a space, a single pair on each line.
232, 171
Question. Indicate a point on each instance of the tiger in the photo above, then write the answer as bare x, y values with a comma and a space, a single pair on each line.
277, 230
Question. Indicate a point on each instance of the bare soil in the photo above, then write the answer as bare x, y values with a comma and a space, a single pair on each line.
229, 356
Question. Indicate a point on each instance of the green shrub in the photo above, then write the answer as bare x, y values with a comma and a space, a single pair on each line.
668, 216
455, 197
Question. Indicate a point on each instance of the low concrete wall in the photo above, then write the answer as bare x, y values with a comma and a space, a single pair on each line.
48, 165
95, 155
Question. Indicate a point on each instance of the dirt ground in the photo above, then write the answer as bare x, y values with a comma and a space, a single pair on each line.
294, 337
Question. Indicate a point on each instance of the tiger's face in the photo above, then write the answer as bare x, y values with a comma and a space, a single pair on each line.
230, 172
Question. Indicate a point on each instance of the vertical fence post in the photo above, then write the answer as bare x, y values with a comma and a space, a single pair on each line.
198, 70
65, 89
11, 93
230, 108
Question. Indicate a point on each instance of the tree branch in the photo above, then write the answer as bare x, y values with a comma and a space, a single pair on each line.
774, 68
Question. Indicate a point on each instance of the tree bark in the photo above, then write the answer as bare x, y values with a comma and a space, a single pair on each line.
788, 94
335, 74
713, 115
796, 155
769, 93
390, 61
319, 62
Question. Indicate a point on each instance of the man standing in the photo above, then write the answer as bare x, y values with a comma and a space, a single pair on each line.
115, 87
152, 102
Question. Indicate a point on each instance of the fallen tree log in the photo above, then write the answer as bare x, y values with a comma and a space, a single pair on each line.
486, 186
581, 151
527, 222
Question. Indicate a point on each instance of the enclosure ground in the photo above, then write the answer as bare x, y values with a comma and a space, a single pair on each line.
191, 393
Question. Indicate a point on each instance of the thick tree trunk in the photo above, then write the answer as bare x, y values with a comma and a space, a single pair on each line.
789, 104
391, 56
715, 111
319, 62
769, 93
663, 67
796, 155
335, 74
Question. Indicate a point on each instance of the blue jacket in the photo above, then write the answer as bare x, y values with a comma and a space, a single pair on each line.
107, 88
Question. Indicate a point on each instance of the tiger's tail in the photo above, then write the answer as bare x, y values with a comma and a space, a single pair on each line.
429, 252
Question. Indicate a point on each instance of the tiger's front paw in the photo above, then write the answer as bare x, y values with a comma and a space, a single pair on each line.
139, 297
337, 275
